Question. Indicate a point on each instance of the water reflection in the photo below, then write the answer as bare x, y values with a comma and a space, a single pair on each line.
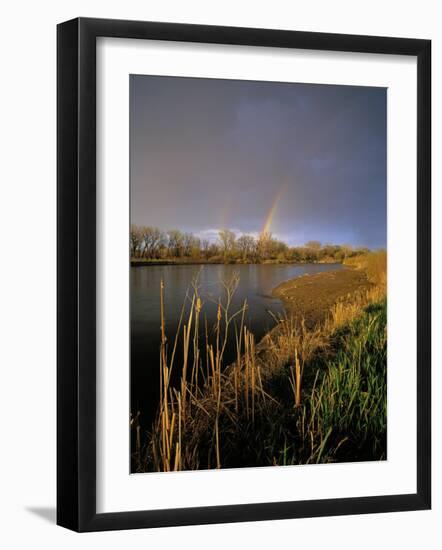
255, 284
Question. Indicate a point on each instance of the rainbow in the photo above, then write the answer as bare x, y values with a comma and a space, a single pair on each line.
272, 210
225, 213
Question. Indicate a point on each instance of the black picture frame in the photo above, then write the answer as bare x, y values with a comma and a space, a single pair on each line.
76, 274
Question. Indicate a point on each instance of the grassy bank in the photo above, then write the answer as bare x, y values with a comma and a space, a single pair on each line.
305, 394
374, 265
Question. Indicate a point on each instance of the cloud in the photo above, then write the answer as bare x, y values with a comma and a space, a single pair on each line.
209, 153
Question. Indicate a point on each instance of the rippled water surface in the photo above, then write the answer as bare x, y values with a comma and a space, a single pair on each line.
255, 284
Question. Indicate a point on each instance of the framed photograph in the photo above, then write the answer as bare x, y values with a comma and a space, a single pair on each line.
243, 274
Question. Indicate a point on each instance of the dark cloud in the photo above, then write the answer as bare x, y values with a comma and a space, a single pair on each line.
210, 153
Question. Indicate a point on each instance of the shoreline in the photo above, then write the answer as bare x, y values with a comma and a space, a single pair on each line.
147, 263
307, 298
292, 374
311, 296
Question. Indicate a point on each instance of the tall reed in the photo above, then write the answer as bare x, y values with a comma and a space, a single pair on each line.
303, 395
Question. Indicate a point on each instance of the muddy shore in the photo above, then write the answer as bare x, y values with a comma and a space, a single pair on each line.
311, 296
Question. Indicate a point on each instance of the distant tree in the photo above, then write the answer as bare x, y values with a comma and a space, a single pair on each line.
316, 245
263, 245
246, 246
227, 239
153, 238
205, 248
310, 254
328, 251
151, 242
294, 254
214, 250
136, 239
347, 250
195, 247
175, 243
187, 243
278, 249
271, 248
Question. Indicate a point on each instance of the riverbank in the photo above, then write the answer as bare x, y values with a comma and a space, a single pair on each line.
312, 391
310, 297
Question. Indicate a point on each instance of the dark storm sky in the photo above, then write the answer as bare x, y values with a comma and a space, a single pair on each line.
209, 154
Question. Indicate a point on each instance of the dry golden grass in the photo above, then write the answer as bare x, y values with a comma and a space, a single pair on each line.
374, 264
189, 416
213, 401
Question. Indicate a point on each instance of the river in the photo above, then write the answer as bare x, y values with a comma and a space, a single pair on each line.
255, 285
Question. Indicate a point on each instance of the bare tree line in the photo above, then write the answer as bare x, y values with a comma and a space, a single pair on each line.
151, 243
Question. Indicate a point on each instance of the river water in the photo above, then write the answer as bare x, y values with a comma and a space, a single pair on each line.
255, 285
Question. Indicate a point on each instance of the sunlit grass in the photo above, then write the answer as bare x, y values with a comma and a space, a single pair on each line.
303, 395
374, 264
